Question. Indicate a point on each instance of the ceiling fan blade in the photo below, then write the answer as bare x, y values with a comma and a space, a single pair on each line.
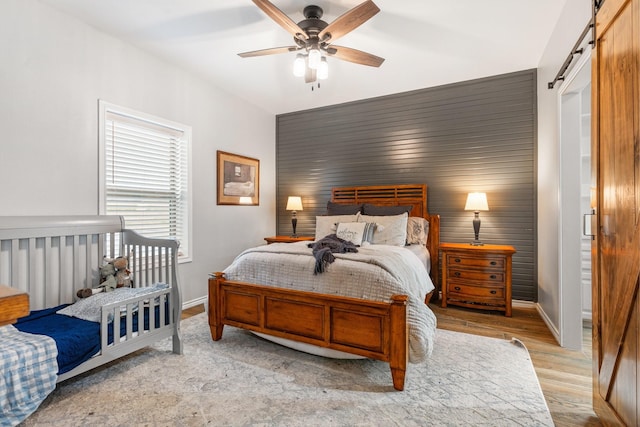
270, 51
281, 19
349, 21
354, 55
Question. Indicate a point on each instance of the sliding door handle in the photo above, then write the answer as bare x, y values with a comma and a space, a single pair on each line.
588, 221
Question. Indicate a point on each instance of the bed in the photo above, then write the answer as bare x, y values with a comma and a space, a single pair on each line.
353, 324
50, 259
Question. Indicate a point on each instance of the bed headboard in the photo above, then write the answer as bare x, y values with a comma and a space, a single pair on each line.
398, 195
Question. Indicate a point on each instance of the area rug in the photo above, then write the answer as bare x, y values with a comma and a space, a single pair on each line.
243, 380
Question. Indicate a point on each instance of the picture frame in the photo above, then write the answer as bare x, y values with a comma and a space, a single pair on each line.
238, 179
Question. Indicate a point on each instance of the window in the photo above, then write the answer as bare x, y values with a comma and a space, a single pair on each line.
144, 173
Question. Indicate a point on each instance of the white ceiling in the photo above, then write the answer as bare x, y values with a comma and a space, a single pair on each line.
425, 43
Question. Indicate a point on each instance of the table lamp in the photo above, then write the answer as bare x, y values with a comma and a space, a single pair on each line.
476, 202
294, 203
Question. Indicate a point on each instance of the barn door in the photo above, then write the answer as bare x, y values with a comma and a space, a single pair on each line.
616, 249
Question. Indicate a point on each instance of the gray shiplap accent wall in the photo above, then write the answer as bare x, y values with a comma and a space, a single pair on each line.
477, 135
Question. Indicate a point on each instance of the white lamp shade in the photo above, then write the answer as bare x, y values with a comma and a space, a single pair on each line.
294, 203
476, 202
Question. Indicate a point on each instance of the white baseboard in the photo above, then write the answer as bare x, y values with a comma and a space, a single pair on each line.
195, 302
548, 322
522, 303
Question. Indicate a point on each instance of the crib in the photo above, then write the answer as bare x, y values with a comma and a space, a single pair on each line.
51, 258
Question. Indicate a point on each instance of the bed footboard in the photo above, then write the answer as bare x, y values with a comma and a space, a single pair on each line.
372, 329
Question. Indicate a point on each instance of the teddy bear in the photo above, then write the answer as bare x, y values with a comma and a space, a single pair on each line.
123, 274
114, 274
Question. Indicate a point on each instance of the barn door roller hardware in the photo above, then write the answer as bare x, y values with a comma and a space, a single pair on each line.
576, 50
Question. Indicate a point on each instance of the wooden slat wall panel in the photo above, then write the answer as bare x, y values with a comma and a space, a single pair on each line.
478, 135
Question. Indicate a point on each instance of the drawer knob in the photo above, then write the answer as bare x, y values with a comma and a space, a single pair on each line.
493, 292
493, 263
493, 276
457, 288
457, 274
457, 260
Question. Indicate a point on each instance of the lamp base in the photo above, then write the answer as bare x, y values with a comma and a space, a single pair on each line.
476, 243
294, 223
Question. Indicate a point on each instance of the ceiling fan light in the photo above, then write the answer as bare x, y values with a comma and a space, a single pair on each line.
323, 69
314, 58
299, 65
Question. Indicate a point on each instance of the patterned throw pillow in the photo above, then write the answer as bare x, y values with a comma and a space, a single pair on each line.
357, 233
351, 231
417, 231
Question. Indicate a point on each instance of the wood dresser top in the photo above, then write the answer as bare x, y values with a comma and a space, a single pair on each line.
13, 305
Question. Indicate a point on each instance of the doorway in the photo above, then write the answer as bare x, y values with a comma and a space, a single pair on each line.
575, 202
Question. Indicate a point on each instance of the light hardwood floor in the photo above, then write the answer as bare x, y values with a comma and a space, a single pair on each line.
564, 375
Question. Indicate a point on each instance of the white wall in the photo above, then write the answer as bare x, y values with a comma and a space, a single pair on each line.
55, 68
572, 21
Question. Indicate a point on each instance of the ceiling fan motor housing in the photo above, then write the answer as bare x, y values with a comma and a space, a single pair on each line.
312, 26
312, 11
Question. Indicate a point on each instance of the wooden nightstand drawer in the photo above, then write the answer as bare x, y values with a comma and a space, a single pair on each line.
495, 277
494, 262
459, 290
477, 276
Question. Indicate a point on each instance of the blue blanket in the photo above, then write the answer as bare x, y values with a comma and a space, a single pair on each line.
77, 340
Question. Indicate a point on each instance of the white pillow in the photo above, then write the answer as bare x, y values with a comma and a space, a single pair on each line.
351, 231
417, 230
327, 224
390, 230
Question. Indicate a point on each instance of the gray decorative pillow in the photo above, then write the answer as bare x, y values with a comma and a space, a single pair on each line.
341, 209
369, 209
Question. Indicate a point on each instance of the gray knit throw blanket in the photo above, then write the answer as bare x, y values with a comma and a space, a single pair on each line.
324, 249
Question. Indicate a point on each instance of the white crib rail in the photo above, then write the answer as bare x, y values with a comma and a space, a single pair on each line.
52, 257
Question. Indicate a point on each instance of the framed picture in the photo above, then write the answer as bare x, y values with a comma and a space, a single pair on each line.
238, 179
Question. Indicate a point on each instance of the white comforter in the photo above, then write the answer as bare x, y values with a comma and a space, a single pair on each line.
375, 272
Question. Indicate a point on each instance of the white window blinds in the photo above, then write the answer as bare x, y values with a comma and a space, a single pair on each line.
146, 174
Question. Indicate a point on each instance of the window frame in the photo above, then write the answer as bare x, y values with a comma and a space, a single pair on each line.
105, 108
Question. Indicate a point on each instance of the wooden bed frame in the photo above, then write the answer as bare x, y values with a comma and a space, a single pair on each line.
376, 330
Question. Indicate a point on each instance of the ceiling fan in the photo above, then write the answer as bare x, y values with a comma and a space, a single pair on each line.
314, 38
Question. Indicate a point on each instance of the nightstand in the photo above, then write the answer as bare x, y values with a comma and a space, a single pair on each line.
288, 239
13, 305
477, 276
